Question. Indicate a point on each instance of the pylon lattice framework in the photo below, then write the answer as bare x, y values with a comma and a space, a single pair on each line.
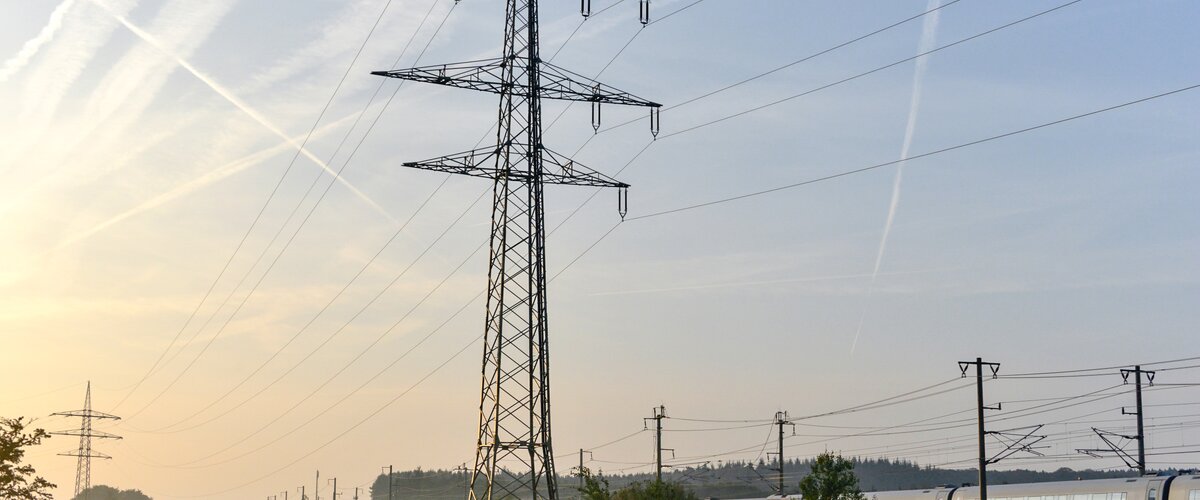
84, 454
514, 457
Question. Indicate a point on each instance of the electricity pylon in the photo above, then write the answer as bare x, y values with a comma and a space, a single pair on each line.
513, 452
85, 454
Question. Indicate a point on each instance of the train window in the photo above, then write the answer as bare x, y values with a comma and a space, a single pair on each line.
1194, 495
1152, 494
1081, 497
1099, 496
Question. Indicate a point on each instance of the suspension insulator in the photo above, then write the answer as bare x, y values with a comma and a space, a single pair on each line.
623, 202
644, 11
585, 8
655, 121
596, 109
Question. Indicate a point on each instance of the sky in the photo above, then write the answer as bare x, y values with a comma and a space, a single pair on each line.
142, 140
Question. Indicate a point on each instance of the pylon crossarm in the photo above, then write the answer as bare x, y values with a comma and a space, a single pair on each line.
487, 75
566, 85
484, 74
88, 433
557, 169
93, 454
85, 413
572, 173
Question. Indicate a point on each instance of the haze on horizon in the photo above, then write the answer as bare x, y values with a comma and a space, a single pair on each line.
141, 137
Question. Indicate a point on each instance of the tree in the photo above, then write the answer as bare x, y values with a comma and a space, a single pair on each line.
594, 487
18, 481
101, 492
832, 478
654, 490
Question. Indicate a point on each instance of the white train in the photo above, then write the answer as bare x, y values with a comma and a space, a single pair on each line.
1177, 487
1184, 486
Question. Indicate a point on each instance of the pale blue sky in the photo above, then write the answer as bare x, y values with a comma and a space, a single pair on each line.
129, 180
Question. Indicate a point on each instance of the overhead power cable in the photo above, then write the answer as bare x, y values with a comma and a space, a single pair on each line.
254, 222
453, 224
914, 157
1108, 368
843, 81
312, 209
881, 68
369, 416
792, 63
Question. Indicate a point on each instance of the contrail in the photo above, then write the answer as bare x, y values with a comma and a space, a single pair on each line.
31, 47
249, 111
212, 176
928, 39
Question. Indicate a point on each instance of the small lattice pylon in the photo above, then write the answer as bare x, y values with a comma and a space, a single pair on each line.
84, 454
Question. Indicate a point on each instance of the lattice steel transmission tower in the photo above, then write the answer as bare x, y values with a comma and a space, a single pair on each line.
85, 453
514, 457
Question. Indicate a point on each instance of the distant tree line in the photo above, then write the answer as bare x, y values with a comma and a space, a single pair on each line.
738, 479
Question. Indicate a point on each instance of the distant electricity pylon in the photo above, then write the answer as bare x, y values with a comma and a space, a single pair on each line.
513, 453
85, 454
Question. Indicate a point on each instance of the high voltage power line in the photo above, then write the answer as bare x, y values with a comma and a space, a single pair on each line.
270, 197
918, 156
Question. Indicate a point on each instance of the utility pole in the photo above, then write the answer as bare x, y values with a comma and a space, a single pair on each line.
356, 493
317, 487
389, 469
84, 454
514, 456
781, 419
302, 495
963, 366
581, 469
659, 414
334, 480
285, 493
1137, 372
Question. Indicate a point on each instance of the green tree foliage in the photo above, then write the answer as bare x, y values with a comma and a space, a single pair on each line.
654, 490
101, 492
832, 478
18, 481
595, 487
